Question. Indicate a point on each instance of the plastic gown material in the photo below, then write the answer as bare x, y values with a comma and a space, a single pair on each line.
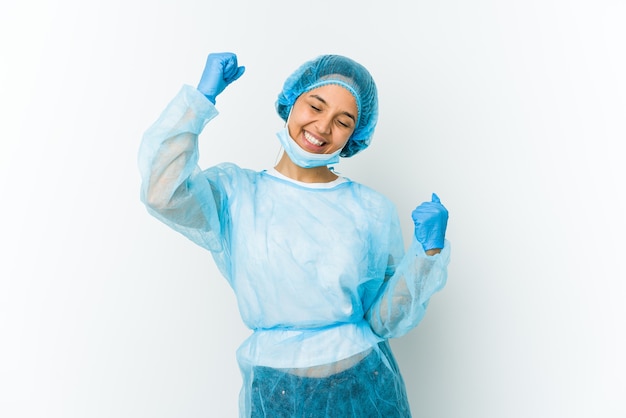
319, 273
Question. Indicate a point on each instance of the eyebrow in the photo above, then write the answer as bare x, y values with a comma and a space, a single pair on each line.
348, 114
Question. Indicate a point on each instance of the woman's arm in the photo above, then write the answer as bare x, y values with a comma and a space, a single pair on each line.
402, 300
168, 158
404, 296
174, 188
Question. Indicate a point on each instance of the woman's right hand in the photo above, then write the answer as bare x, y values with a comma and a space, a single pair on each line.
220, 70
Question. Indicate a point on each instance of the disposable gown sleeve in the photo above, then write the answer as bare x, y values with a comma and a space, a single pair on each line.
173, 188
404, 296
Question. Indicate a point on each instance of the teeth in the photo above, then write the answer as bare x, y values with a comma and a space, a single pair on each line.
312, 140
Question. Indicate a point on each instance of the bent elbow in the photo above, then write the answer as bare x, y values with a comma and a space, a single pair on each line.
155, 201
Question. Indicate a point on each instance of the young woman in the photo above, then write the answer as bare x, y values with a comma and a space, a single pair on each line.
316, 261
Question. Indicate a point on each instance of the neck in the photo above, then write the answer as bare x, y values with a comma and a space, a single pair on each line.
286, 167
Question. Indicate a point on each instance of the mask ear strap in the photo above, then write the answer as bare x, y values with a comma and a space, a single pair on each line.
279, 154
288, 115
281, 149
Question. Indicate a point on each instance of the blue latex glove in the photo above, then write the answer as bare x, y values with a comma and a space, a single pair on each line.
220, 70
431, 220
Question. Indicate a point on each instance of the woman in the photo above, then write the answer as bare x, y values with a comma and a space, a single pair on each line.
316, 260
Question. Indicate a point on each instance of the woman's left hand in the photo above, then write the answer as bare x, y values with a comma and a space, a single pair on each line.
431, 221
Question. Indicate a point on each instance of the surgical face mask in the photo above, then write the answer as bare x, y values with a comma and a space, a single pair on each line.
301, 157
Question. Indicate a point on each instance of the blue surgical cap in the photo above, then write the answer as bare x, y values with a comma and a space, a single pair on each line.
336, 69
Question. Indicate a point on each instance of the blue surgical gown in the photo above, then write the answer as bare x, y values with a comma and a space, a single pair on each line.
320, 272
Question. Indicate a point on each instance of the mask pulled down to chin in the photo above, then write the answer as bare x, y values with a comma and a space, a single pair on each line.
301, 157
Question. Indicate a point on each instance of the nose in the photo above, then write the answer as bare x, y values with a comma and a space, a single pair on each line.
324, 125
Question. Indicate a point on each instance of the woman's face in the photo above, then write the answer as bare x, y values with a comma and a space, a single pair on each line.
323, 119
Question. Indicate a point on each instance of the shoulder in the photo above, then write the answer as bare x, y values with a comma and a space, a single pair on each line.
371, 198
231, 170
231, 176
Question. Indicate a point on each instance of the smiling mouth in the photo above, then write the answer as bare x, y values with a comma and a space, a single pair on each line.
312, 140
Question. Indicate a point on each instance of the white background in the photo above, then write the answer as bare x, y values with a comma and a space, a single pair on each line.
514, 112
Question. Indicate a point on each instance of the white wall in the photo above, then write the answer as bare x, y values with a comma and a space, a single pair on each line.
513, 112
